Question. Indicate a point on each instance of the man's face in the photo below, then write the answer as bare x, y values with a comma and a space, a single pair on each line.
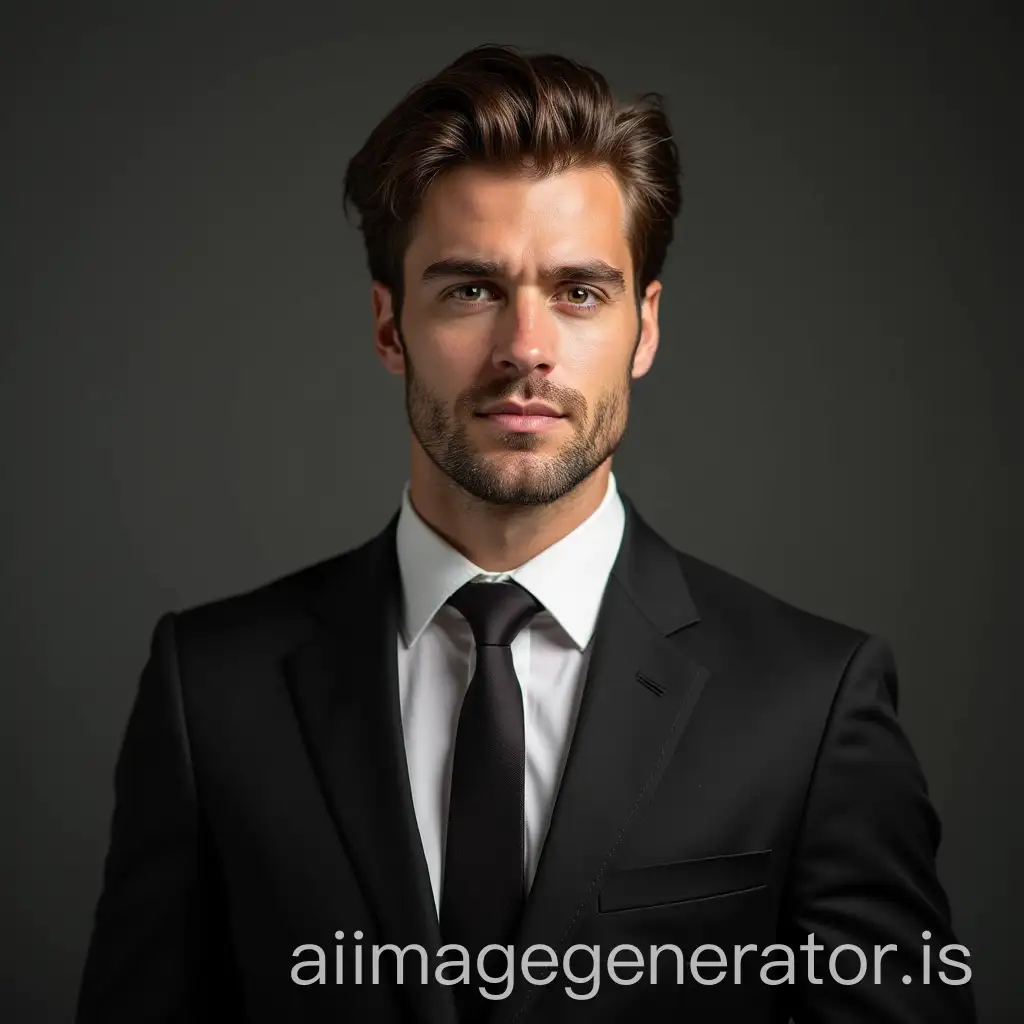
519, 293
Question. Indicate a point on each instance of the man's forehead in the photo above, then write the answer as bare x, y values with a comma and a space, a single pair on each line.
561, 218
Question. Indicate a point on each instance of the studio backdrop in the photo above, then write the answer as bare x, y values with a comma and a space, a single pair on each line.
191, 404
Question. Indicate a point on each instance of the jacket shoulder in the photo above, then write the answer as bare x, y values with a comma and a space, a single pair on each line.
742, 616
271, 614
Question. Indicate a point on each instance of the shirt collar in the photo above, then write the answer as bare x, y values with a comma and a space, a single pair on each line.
568, 578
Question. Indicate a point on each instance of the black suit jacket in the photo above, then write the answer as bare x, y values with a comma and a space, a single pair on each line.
737, 776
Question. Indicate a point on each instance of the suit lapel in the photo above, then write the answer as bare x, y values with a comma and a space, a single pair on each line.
640, 691
344, 686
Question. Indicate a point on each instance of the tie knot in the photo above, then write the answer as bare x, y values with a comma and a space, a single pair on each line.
496, 612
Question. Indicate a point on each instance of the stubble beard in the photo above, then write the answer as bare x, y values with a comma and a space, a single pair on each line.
501, 478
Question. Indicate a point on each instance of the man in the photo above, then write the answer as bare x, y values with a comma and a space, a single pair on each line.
518, 718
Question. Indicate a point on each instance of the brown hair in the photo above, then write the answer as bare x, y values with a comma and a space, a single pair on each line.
536, 114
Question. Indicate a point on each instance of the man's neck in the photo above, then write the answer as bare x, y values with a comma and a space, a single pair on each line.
499, 538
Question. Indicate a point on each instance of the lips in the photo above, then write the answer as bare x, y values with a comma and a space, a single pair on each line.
532, 418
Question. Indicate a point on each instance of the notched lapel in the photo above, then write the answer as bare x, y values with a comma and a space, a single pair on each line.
344, 685
640, 691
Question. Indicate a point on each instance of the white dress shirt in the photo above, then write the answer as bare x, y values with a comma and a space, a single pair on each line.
436, 659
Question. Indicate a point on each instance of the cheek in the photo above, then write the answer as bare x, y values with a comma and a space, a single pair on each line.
595, 360
443, 346
449, 360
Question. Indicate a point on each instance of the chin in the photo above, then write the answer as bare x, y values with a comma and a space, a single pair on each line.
519, 462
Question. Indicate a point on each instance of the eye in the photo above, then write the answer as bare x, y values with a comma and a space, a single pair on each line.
468, 292
578, 294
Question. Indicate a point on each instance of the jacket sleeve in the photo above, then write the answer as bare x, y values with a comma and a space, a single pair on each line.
863, 871
158, 949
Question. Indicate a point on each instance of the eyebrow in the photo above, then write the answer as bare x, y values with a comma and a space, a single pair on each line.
591, 271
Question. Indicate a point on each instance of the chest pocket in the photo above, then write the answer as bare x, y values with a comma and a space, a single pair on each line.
684, 881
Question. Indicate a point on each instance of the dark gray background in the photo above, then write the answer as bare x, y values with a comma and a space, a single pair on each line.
190, 402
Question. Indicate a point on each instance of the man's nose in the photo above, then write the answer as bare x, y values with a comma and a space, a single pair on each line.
526, 336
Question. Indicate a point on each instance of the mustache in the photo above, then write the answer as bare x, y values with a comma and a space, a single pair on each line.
524, 390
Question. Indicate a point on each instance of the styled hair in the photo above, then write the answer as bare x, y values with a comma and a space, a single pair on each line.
535, 115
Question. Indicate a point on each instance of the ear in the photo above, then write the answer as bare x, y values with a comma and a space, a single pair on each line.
648, 345
385, 332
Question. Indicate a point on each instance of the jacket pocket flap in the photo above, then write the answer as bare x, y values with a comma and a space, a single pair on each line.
633, 888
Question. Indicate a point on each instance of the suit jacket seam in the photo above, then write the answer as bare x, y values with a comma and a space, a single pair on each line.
178, 697
801, 824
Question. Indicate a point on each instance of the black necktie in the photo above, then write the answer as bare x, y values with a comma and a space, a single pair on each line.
483, 885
